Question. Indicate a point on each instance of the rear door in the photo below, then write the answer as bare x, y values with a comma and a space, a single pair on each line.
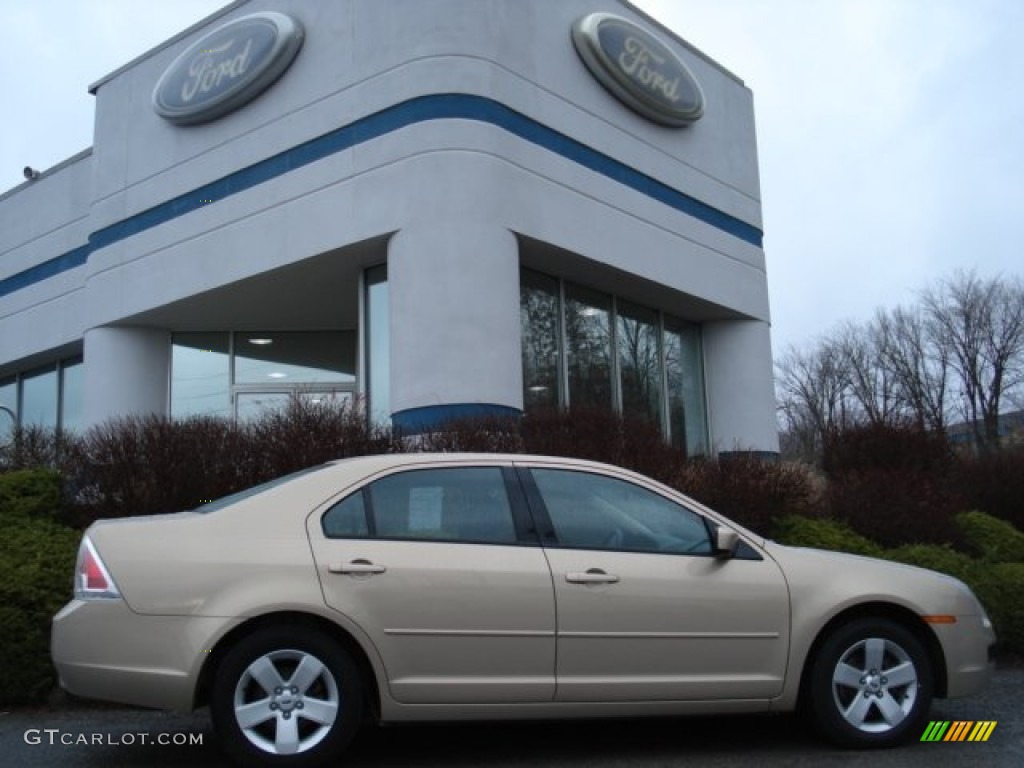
435, 564
645, 611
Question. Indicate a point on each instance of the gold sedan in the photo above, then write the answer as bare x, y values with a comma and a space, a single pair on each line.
458, 586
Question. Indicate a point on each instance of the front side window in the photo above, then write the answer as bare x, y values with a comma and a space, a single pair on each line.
590, 511
459, 504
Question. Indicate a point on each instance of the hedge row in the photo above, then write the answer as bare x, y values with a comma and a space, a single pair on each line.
150, 465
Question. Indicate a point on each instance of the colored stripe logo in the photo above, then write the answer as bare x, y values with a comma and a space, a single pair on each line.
958, 730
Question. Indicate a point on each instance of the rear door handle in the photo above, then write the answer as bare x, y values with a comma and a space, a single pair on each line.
592, 576
357, 568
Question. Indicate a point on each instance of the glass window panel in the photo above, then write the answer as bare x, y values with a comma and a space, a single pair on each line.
9, 393
71, 386
639, 361
290, 357
39, 397
538, 316
687, 414
467, 505
588, 347
378, 343
347, 518
253, 405
8, 399
200, 375
596, 512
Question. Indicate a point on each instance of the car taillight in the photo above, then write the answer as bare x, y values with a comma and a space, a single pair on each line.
92, 579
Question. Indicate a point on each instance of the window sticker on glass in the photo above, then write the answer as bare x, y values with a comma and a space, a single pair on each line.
425, 505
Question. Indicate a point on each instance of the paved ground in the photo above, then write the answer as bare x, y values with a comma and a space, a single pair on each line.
128, 740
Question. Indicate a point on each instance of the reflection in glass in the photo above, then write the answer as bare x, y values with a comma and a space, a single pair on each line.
253, 405
71, 386
639, 361
39, 397
588, 347
9, 393
295, 357
538, 317
378, 344
687, 414
8, 418
200, 375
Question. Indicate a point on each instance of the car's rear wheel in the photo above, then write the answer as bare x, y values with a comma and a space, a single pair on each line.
870, 685
285, 697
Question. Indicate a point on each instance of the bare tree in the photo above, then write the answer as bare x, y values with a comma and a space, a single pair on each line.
871, 385
812, 395
920, 367
980, 324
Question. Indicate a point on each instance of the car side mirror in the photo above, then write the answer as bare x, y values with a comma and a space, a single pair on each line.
726, 542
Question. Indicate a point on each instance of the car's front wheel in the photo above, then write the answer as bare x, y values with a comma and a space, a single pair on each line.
871, 684
283, 697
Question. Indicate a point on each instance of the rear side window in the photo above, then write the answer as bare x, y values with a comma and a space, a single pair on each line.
467, 504
347, 518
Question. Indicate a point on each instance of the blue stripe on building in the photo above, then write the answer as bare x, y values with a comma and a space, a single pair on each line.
417, 110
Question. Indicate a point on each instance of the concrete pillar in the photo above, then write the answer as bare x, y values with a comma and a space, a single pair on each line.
126, 372
741, 387
454, 312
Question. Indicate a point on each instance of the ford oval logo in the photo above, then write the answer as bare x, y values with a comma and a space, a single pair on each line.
227, 68
638, 69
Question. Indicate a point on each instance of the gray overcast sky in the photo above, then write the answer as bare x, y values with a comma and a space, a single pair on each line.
890, 132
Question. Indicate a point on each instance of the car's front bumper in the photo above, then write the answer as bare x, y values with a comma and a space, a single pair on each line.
967, 646
104, 650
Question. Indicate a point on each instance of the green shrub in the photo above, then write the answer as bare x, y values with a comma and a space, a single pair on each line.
800, 531
36, 565
991, 539
30, 493
935, 557
1000, 587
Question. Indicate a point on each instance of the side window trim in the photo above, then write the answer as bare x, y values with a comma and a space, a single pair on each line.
541, 520
371, 520
526, 529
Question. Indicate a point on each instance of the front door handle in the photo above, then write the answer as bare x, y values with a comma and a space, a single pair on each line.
592, 576
357, 568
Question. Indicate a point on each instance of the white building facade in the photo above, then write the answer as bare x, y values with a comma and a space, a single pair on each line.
449, 208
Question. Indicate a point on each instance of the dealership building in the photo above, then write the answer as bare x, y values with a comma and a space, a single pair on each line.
447, 207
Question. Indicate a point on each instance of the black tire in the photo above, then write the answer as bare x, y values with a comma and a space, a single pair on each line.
295, 714
871, 685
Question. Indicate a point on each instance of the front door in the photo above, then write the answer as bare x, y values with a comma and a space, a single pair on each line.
645, 611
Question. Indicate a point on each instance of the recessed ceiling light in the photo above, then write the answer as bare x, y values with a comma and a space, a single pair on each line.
261, 342
277, 375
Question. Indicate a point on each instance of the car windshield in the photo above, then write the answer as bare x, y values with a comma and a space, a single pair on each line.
234, 498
